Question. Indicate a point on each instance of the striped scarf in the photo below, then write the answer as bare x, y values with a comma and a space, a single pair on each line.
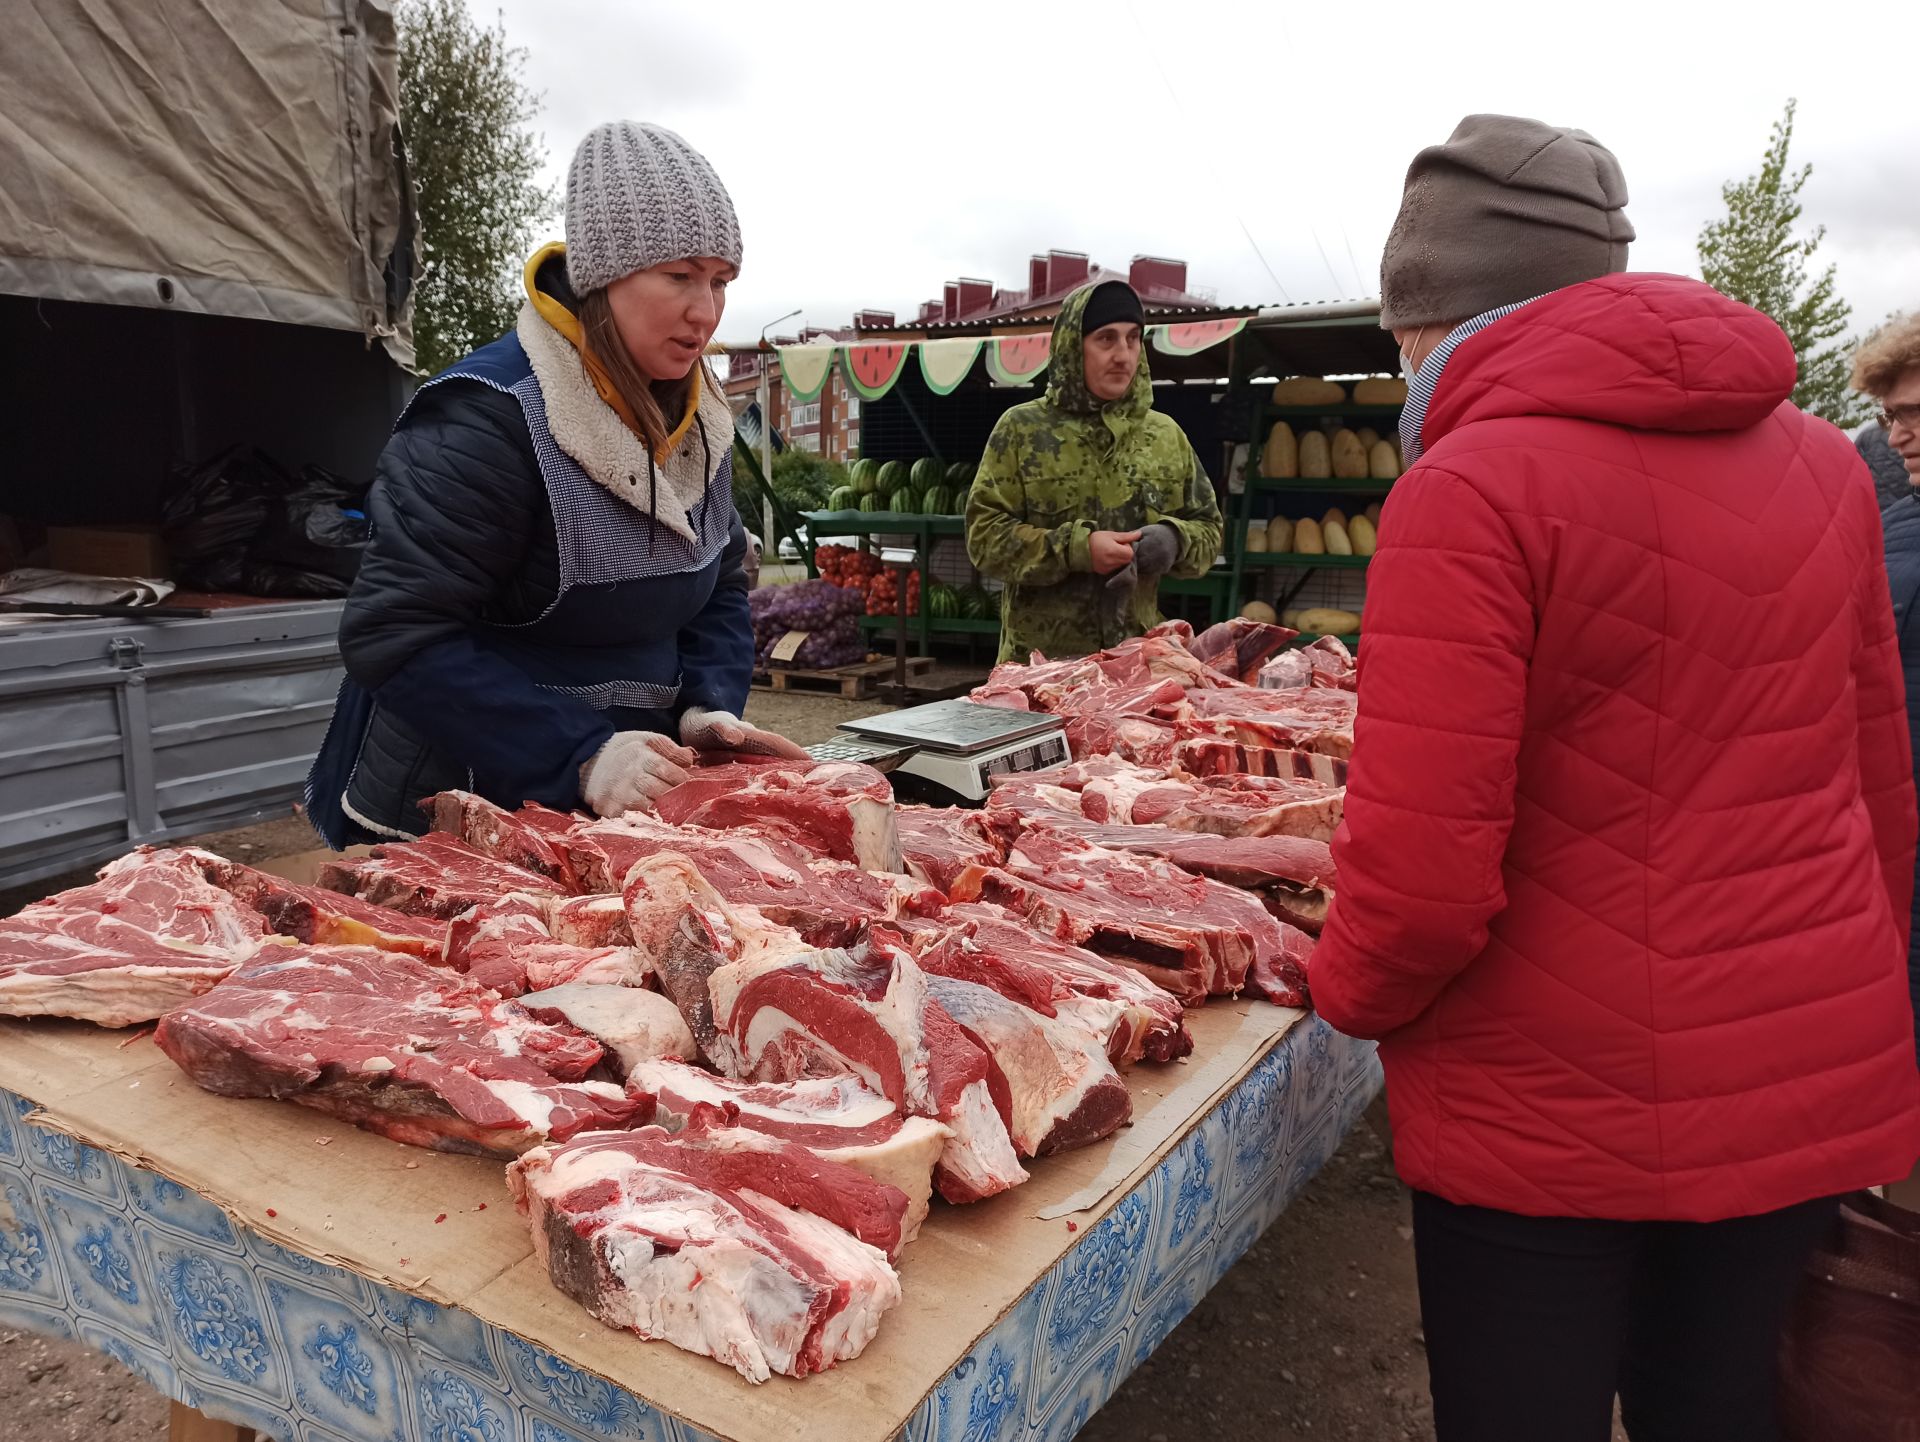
1420, 390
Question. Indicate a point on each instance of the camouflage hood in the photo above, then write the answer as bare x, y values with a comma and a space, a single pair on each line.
1067, 368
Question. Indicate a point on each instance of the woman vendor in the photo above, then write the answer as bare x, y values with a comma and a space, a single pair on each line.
553, 606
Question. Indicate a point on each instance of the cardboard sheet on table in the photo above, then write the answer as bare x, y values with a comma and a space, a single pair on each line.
412, 1218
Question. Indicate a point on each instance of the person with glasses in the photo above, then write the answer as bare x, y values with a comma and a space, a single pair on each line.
1887, 368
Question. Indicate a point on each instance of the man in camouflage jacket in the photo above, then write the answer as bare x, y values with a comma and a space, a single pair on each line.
1087, 496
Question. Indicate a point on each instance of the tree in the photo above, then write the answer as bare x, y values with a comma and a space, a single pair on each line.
464, 112
1754, 256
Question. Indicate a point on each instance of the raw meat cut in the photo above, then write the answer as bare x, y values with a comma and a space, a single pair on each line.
318, 916
938, 843
987, 944
814, 1013
834, 1117
1222, 805
714, 779
151, 933
508, 947
438, 875
1313, 720
1239, 648
837, 809
1227, 921
1212, 756
765, 1006
720, 1240
826, 901
1293, 875
1064, 1091
1327, 662
532, 837
381, 1039
1193, 936
631, 1024
587, 920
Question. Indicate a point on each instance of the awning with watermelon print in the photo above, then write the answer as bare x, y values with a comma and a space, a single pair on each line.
872, 368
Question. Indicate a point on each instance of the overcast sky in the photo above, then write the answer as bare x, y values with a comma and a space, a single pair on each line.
876, 150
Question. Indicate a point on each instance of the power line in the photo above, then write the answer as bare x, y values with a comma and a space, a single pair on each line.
1154, 55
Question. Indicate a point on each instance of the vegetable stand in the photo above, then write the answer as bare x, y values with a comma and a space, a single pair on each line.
278, 1269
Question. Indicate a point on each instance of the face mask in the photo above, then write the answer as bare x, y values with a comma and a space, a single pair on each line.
1408, 370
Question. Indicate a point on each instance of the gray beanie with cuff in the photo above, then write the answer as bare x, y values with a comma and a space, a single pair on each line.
638, 196
1506, 210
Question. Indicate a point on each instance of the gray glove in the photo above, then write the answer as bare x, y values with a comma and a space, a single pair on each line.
631, 771
1156, 551
1115, 601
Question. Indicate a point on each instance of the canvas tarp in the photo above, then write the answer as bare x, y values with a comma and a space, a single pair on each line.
221, 156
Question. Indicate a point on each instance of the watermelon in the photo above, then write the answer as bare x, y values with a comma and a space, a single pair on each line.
893, 475
977, 604
940, 502
866, 477
942, 601
869, 503
957, 474
927, 473
843, 498
904, 502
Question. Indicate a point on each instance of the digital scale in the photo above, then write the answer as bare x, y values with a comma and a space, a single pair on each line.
948, 751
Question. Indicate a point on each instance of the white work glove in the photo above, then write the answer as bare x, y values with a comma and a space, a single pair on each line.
705, 730
631, 771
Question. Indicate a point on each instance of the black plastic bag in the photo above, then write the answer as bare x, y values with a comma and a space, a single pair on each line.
211, 513
242, 522
312, 541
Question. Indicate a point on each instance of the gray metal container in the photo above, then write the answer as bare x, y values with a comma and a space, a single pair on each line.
118, 732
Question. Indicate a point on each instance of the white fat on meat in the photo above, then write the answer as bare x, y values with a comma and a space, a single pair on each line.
634, 1025
878, 1140
691, 1268
983, 1158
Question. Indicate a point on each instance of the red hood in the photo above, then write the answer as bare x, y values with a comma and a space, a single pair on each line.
1651, 352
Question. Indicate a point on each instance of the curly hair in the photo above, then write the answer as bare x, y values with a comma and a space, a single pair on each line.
1887, 355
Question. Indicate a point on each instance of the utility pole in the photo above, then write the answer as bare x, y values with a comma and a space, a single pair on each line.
766, 432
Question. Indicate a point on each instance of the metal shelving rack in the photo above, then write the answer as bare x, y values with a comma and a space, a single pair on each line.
1317, 495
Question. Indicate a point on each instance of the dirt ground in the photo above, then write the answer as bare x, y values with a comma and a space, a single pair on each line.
1314, 1334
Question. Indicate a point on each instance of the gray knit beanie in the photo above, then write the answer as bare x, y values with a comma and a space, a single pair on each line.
1506, 210
637, 196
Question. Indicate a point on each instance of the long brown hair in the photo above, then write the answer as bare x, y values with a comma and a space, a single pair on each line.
657, 406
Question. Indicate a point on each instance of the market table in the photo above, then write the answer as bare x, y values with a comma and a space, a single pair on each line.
283, 1271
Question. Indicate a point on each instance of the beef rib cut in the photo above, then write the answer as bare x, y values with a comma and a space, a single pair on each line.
1064, 1092
381, 1039
938, 843
987, 944
720, 1240
1212, 756
1183, 932
834, 1117
827, 902
1239, 648
841, 810
438, 875
321, 917
533, 838
508, 947
1312, 720
151, 933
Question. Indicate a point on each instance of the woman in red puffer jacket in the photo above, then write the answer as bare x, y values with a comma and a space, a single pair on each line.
1628, 856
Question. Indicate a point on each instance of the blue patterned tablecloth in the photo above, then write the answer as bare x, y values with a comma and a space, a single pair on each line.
146, 1271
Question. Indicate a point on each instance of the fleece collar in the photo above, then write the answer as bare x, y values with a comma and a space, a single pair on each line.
556, 312
587, 427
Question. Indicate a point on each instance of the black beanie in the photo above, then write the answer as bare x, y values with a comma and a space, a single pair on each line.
1112, 301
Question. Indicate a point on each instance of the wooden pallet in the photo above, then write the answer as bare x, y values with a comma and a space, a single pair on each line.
851, 683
